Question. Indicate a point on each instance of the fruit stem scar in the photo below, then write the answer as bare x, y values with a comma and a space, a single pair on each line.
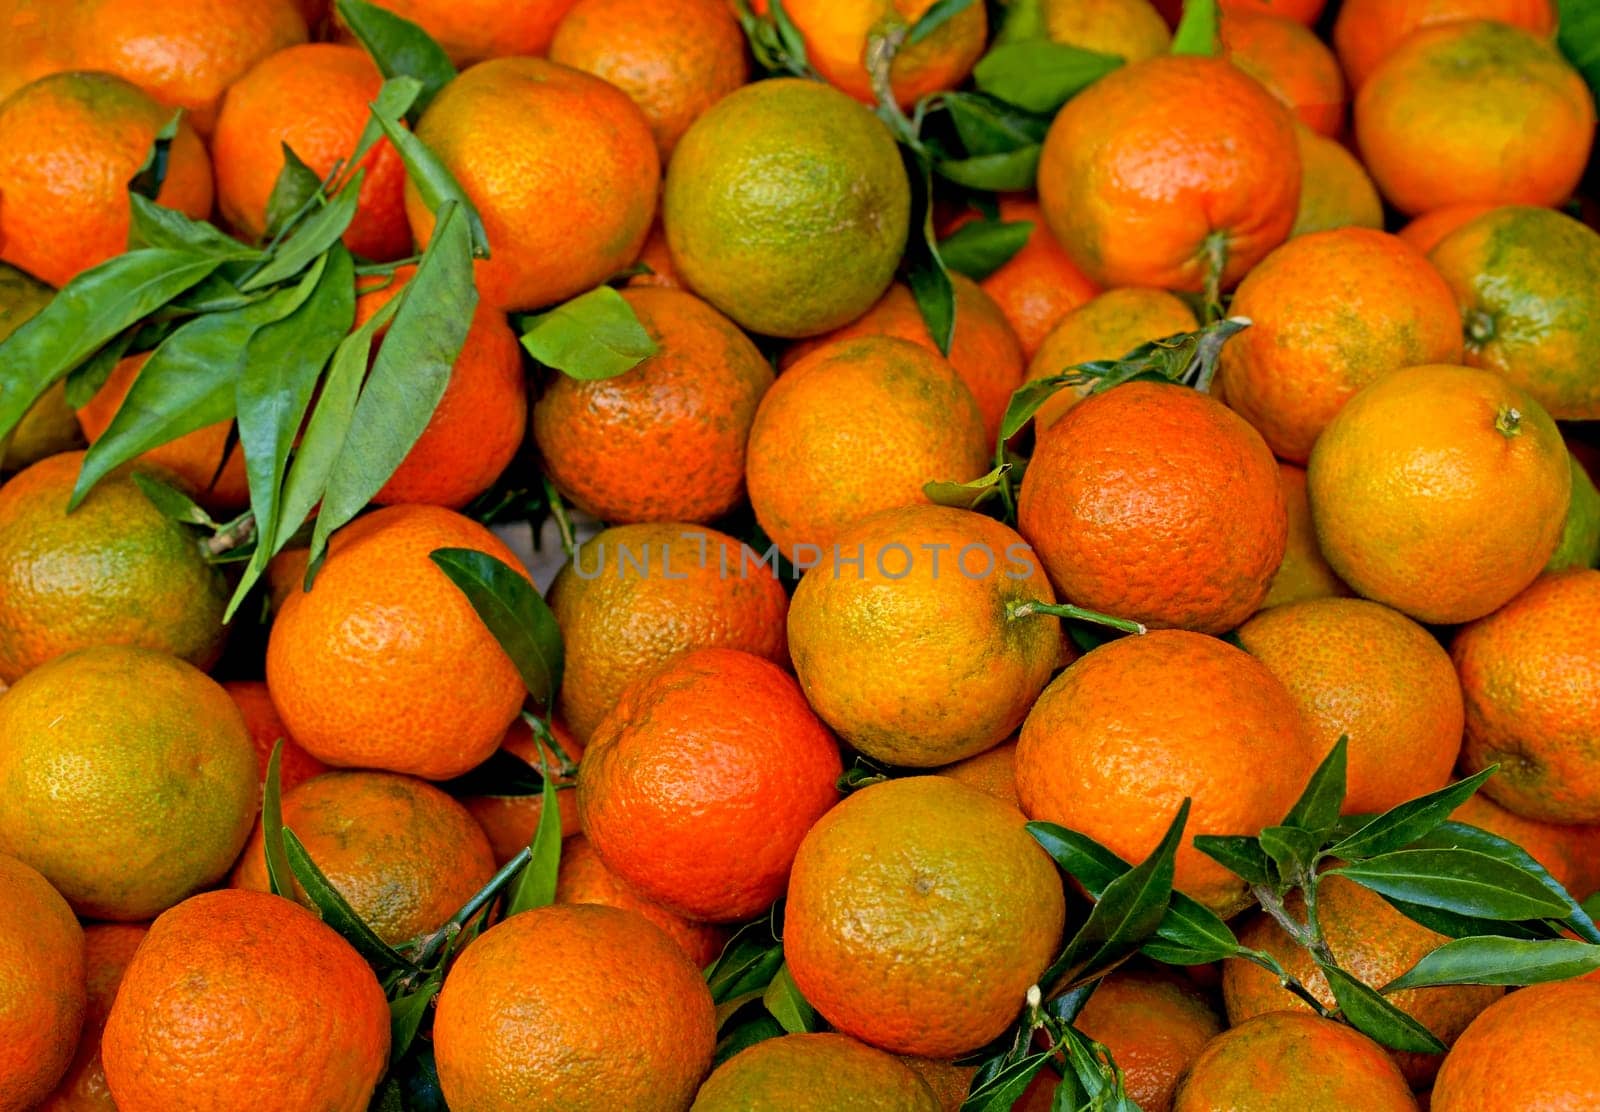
1480, 327
1508, 421
1016, 610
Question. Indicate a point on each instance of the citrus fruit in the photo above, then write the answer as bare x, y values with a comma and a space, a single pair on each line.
783, 1075
1375, 944
920, 912
1425, 232
1285, 1060
127, 778
621, 1018
511, 131
1565, 850
245, 1000
1528, 284
510, 821
1098, 755
1168, 171
1532, 1049
1368, 31
698, 786
1128, 29
42, 1000
49, 426
1440, 491
1291, 62
1158, 504
585, 879
658, 258
108, 948
1475, 111
71, 142
1301, 11
993, 772
1155, 1025
33, 43
295, 765
637, 595
855, 427
1531, 676
472, 30
1335, 190
1580, 537
312, 98
983, 348
838, 42
404, 855
1331, 312
664, 441
786, 206
1304, 573
945, 1077
675, 58
1106, 327
115, 571
385, 664
908, 640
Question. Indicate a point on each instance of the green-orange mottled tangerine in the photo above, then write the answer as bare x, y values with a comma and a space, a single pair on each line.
1532, 1049
913, 655
1335, 189
1527, 281
787, 207
814, 1073
42, 996
49, 426
1130, 29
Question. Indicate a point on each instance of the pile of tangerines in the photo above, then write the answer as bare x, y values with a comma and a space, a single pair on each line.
1077, 560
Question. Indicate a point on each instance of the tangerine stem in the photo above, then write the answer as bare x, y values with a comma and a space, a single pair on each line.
1017, 610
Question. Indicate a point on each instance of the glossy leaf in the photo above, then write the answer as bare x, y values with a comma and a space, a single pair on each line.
1040, 75
1402, 825
280, 878
293, 191
1463, 881
747, 963
1291, 849
399, 47
395, 98
966, 496
1008, 172
502, 774
988, 126
512, 609
407, 1012
1372, 1015
84, 380
153, 225
596, 335
1318, 807
1197, 30
924, 269
759, 1028
434, 183
536, 887
146, 183
1452, 925
172, 502
1001, 1091
1500, 961
1238, 854
338, 913
792, 1011
310, 240
938, 14
981, 247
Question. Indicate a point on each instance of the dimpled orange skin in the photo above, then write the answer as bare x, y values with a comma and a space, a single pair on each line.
675, 58
295, 765
1475, 112
184, 53
573, 1006
1534, 1049
913, 656
472, 30
664, 441
948, 1081
814, 1073
1423, 503
637, 595
837, 38
919, 913
561, 167
1155, 1026
510, 821
1566, 851
1335, 189
1107, 326
1531, 673
1304, 573
313, 97
244, 1000
1286, 1060
1368, 31
358, 666
193, 457
983, 348
993, 772
1426, 231
1373, 942
1156, 503
1293, 64
42, 995
698, 786
1331, 312
71, 143
108, 948
1156, 160
1098, 755
478, 425
1129, 29
403, 854
584, 879
853, 428
1038, 285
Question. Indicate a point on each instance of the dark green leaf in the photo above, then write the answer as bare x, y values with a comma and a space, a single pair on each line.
1500, 961
747, 963
280, 878
988, 126
924, 269
1291, 849
1452, 925
337, 913
153, 225
1096, 1074
503, 774
1238, 854
792, 1011
434, 183
293, 192
760, 1028
1459, 880
412, 1084
407, 1012
1010, 172
1402, 825
89, 311
152, 172
1372, 1015
938, 14
1578, 36
1591, 906
84, 380
400, 47
1197, 30
1318, 807
966, 496
536, 887
1001, 1091
596, 335
1040, 75
172, 502
512, 609
310, 240
980, 248
408, 377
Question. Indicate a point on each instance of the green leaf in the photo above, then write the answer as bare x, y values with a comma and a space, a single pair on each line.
84, 380
153, 225
293, 192
595, 335
280, 878
407, 1012
1578, 36
435, 184
966, 496
1402, 825
1197, 30
536, 887
400, 47
1291, 849
1002, 1090
938, 14
1009, 172
1238, 854
1500, 961
88, 312
395, 98
980, 248
759, 1029
512, 609
782, 998
1452, 925
1040, 75
1459, 880
337, 913
1318, 807
310, 241
1375, 1017
152, 172
924, 269
502, 774
747, 963
988, 126
172, 502
408, 377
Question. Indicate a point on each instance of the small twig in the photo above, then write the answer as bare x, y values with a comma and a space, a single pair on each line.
236, 534
1017, 610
